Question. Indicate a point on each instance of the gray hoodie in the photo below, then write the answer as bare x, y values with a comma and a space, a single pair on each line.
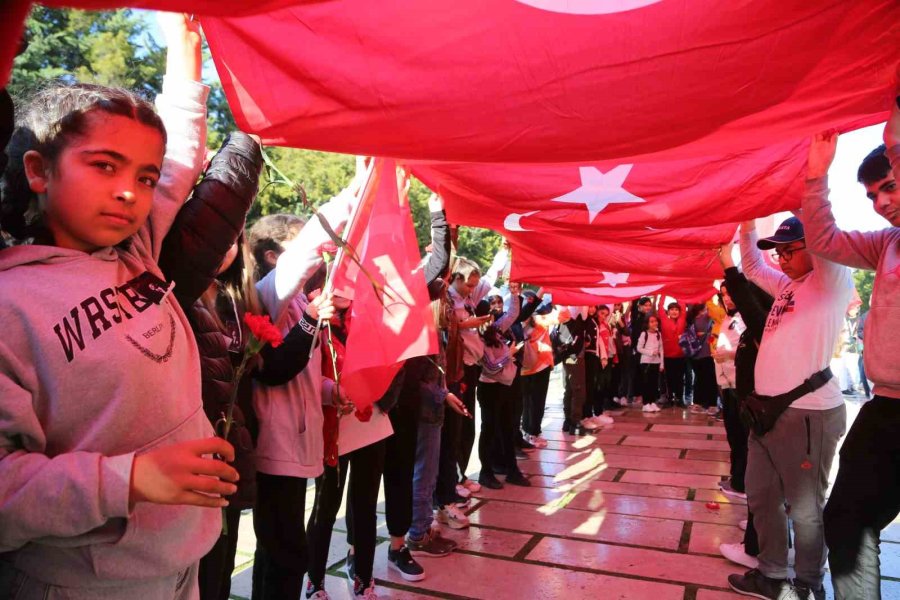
95, 368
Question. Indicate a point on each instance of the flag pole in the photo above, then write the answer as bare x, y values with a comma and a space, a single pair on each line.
364, 189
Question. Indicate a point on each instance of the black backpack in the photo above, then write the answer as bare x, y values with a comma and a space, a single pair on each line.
567, 339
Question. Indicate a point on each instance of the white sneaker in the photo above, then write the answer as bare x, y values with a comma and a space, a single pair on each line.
623, 401
463, 491
472, 486
452, 517
366, 594
588, 424
649, 408
735, 553
320, 595
604, 420
743, 525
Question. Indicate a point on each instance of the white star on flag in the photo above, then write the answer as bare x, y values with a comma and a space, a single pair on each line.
614, 279
598, 190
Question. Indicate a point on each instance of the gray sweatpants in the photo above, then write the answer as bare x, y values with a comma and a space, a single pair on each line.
790, 466
15, 585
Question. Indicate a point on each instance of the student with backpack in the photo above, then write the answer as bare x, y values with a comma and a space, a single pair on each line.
650, 347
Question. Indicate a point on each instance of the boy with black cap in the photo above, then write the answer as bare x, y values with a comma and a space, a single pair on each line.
799, 410
866, 495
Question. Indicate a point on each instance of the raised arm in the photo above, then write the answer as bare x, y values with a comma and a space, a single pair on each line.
182, 108
213, 218
510, 316
823, 238
439, 260
488, 279
302, 257
769, 279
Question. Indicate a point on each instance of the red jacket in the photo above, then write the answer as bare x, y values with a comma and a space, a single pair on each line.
671, 331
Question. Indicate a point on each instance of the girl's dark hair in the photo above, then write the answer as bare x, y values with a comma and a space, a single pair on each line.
694, 312
268, 234
53, 118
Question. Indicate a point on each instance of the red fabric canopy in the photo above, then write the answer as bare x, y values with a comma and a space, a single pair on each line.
15, 12
506, 81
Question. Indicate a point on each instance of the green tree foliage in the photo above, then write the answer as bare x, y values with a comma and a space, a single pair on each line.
116, 48
864, 281
111, 48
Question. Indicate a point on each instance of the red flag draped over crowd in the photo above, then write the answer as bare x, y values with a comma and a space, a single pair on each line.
526, 81
393, 324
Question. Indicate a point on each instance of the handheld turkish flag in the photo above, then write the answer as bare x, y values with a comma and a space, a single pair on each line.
555, 81
391, 319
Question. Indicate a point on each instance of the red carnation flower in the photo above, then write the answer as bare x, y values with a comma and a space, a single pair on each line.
263, 329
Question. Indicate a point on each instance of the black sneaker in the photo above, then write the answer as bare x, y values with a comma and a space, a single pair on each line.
520, 455
524, 444
491, 482
430, 545
566, 426
402, 562
518, 479
754, 583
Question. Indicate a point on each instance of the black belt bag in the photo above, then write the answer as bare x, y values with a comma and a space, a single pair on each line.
760, 413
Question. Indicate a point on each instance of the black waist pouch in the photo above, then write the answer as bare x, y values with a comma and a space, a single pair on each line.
760, 413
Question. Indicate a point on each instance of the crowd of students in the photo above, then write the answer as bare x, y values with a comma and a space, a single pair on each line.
122, 298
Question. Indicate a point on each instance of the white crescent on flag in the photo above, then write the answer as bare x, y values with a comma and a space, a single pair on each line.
513, 221
588, 7
622, 292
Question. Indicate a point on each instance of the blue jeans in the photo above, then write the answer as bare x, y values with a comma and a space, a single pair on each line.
428, 451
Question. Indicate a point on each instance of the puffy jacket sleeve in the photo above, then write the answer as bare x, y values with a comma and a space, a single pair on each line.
439, 260
211, 221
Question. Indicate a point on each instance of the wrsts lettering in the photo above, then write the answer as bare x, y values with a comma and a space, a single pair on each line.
76, 335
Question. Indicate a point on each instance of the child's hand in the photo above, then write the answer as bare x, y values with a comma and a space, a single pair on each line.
183, 40
322, 307
457, 405
821, 154
179, 474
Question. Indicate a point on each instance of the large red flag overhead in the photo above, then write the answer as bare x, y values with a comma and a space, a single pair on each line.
555, 81
604, 198
689, 293
395, 324
15, 11
568, 263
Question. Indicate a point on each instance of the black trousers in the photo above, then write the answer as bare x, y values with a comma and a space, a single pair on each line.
214, 575
281, 553
866, 494
496, 442
650, 382
737, 434
518, 407
626, 373
599, 384
705, 388
399, 462
574, 390
534, 396
466, 437
365, 465
675, 377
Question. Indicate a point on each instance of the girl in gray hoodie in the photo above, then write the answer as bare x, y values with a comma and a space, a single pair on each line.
106, 488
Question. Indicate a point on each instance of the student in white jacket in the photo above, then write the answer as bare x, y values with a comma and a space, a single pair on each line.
650, 347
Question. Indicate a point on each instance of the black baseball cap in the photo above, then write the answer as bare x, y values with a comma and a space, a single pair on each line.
790, 230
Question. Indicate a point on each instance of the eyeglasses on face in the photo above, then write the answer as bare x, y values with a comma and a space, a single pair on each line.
786, 254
